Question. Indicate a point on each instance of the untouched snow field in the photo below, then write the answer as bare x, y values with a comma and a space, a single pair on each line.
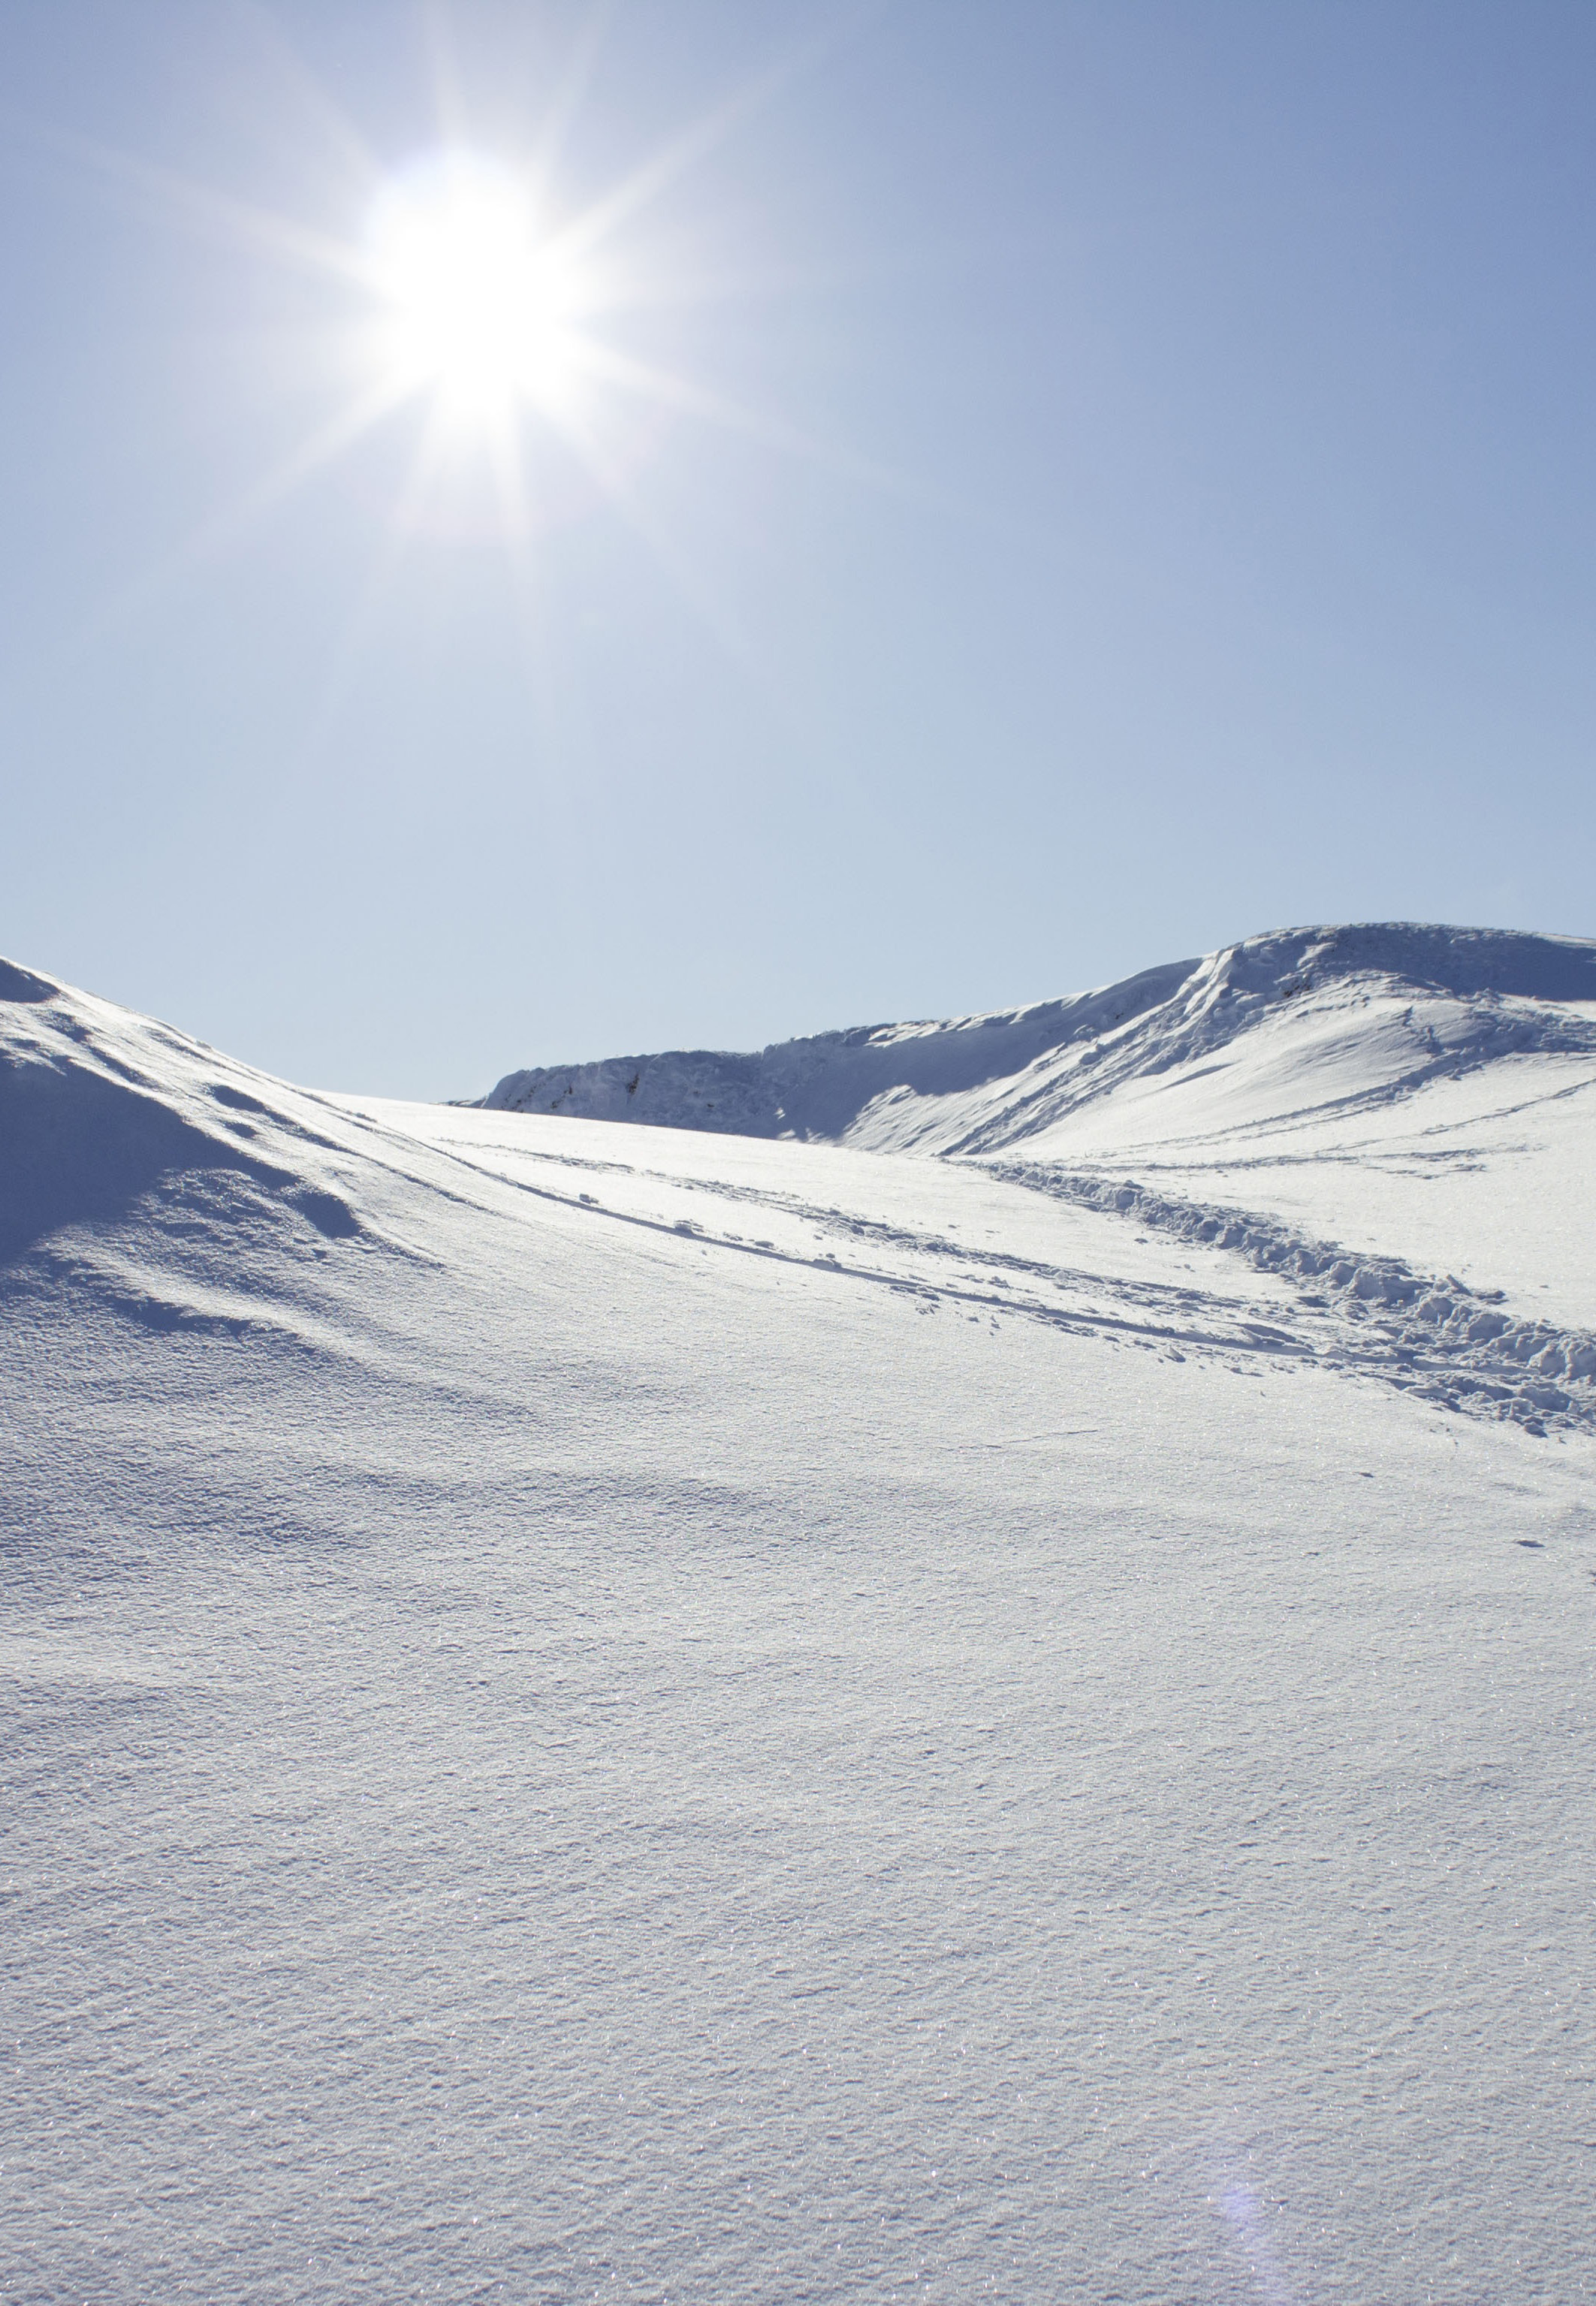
999, 1709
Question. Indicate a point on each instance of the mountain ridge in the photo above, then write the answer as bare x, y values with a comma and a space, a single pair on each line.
978, 1084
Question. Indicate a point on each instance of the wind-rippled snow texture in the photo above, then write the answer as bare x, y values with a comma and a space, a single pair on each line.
595, 1714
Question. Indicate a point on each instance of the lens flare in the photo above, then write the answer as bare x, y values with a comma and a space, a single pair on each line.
498, 336
476, 305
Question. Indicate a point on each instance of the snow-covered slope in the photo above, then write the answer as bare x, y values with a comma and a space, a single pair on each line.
1405, 1094
1299, 1024
644, 1713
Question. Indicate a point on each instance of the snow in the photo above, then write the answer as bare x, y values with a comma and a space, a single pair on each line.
1295, 1025
654, 1714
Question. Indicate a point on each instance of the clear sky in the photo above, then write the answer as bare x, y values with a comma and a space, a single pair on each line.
1000, 495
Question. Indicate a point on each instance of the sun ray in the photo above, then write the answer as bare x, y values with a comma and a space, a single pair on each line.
214, 213
612, 480
526, 571
479, 315
449, 94
320, 448
362, 620
358, 160
689, 399
566, 102
224, 528
509, 465
645, 184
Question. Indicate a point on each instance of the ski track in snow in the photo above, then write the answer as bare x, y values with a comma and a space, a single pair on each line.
1423, 1333
1269, 1056
1360, 1316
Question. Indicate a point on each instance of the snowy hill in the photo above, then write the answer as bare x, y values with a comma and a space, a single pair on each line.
657, 1712
1302, 1021
1351, 1099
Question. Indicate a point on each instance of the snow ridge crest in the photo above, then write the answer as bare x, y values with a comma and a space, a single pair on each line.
1462, 998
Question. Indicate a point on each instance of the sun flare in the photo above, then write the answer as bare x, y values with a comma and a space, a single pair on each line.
476, 305
498, 333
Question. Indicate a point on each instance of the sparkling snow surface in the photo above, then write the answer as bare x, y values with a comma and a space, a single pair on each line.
614, 1712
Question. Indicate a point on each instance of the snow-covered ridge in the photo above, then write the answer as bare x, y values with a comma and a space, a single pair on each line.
116, 1130
1337, 1016
1252, 1087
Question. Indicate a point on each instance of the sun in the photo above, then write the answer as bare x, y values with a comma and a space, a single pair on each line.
475, 303
499, 332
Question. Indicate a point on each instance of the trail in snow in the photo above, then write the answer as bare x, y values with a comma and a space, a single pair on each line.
1302, 1066
1369, 1317
1424, 1332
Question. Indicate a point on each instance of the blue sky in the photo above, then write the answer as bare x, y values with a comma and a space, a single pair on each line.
1126, 482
